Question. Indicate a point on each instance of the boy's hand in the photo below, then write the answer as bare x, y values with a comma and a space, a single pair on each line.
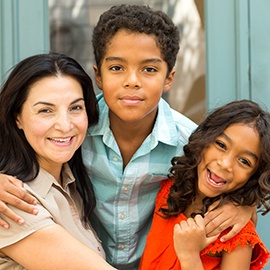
13, 193
227, 216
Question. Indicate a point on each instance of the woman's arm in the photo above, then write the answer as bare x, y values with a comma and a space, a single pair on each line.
227, 216
54, 248
13, 193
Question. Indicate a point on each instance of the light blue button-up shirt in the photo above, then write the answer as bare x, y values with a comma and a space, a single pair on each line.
125, 199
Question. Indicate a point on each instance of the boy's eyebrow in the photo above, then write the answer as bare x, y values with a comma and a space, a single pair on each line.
145, 61
51, 104
254, 156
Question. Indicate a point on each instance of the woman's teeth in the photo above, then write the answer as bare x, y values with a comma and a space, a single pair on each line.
60, 140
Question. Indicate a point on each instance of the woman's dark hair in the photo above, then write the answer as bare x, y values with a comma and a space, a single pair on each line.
138, 19
17, 157
184, 169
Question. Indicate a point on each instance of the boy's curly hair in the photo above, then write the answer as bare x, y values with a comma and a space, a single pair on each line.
141, 19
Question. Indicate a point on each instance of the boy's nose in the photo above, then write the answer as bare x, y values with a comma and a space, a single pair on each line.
132, 80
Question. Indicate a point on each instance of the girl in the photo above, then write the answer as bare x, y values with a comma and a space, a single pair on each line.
227, 159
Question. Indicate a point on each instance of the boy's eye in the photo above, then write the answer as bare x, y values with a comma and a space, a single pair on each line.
150, 69
115, 68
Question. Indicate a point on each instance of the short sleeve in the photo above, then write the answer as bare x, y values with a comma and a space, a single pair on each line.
32, 223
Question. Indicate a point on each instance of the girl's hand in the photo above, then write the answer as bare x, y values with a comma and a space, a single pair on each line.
189, 239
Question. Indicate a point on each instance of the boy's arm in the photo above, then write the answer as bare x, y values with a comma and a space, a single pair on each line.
227, 216
13, 193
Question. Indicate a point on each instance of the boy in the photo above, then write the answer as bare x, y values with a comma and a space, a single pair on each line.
128, 152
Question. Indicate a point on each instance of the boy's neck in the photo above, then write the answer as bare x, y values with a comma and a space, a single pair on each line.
129, 137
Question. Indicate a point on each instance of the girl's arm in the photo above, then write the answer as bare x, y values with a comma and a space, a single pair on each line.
189, 239
239, 258
54, 248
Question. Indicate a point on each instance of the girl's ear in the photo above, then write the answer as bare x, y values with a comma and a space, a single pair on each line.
98, 77
169, 81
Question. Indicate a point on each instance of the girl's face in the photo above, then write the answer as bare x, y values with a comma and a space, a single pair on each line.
54, 120
229, 161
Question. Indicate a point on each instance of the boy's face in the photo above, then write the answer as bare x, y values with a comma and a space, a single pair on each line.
133, 77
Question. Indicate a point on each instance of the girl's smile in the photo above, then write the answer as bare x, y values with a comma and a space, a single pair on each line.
229, 161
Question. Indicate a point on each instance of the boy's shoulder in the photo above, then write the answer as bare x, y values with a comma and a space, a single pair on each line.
180, 120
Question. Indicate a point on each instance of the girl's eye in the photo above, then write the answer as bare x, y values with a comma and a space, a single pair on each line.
220, 144
245, 162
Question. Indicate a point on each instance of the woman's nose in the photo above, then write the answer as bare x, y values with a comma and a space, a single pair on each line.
63, 123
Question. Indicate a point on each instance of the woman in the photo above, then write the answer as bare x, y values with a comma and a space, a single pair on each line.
46, 106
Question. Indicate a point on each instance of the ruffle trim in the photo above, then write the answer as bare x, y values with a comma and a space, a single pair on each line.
248, 234
260, 255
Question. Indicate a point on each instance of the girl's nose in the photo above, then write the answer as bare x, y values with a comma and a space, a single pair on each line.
225, 162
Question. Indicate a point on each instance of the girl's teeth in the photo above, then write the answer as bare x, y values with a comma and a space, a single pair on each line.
211, 180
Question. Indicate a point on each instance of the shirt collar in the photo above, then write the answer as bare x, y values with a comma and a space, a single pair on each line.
44, 181
164, 129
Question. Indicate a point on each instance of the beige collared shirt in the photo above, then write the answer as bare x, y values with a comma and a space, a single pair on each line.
60, 205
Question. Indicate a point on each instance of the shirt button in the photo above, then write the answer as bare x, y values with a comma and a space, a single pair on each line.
122, 247
122, 215
115, 159
125, 188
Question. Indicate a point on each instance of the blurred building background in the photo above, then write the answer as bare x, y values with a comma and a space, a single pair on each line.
72, 23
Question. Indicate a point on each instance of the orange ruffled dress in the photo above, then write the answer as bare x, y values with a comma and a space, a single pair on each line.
159, 252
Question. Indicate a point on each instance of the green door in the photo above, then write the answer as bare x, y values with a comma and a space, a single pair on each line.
238, 60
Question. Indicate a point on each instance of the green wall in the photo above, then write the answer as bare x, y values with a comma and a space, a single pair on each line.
24, 30
238, 59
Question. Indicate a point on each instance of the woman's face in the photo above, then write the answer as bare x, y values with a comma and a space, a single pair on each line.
54, 120
229, 161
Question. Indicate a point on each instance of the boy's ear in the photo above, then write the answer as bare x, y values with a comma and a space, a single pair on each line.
98, 77
169, 81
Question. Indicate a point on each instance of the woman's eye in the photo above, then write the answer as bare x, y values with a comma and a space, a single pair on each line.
77, 108
44, 111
